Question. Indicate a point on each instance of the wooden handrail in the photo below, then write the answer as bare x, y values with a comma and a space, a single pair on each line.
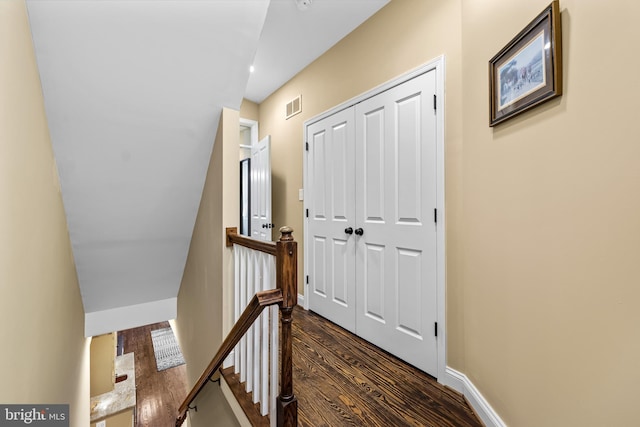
257, 245
286, 295
258, 303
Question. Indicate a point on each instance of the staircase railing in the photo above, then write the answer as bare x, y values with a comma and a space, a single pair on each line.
286, 296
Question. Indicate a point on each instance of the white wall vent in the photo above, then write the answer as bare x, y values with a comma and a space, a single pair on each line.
293, 107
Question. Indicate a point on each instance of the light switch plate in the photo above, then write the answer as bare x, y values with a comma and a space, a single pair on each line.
301, 194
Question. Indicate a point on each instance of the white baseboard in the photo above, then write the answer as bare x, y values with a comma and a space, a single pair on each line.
301, 300
459, 382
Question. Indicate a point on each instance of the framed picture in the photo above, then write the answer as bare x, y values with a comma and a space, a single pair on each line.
528, 70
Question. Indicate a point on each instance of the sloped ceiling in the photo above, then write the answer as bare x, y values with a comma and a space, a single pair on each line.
133, 92
292, 38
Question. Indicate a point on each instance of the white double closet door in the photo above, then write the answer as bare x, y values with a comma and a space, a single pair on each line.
371, 228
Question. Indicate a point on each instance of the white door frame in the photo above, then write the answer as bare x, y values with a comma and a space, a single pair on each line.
437, 65
253, 125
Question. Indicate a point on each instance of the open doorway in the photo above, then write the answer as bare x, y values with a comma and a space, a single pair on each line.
255, 182
248, 139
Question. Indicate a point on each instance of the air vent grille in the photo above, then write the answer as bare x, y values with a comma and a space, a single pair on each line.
293, 107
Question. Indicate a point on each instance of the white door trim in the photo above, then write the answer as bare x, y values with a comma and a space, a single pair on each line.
437, 65
253, 125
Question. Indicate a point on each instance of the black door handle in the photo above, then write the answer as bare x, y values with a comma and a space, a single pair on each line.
348, 230
359, 231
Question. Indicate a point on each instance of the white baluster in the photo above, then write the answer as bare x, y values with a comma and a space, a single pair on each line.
244, 272
274, 358
256, 357
257, 286
231, 360
257, 332
267, 265
274, 380
250, 292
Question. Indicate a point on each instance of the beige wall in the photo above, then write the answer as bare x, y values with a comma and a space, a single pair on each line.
551, 224
542, 211
102, 365
249, 110
46, 357
204, 301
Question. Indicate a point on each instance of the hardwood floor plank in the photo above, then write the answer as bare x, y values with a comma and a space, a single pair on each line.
340, 379
330, 384
158, 394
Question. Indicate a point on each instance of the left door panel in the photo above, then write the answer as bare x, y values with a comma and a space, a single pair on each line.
330, 161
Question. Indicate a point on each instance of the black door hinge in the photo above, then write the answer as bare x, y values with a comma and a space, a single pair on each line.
435, 329
306, 146
307, 213
435, 102
307, 279
435, 216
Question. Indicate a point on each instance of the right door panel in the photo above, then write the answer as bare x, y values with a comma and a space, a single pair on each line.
395, 202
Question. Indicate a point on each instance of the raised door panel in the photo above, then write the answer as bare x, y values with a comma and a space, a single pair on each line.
373, 281
372, 149
408, 281
408, 148
341, 263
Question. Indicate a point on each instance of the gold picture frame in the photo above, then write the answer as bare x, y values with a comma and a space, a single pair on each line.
528, 70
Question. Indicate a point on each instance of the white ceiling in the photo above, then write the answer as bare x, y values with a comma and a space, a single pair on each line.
133, 92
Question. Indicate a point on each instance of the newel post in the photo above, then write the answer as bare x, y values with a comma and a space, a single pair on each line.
287, 281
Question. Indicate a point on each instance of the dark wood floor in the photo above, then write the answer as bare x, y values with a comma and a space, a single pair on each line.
158, 394
342, 380
339, 379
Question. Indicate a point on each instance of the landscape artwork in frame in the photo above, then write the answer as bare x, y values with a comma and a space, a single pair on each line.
528, 70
